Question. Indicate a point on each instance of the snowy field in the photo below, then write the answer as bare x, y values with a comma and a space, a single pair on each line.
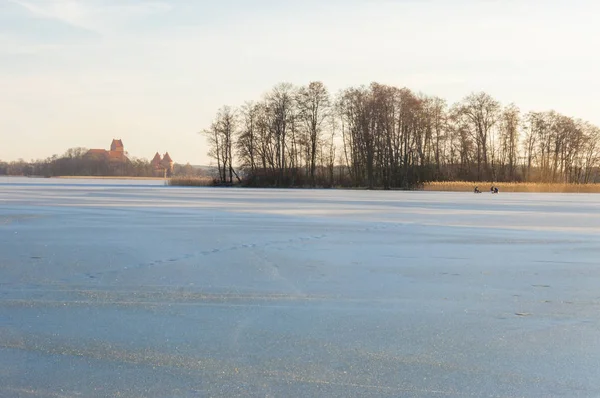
113, 289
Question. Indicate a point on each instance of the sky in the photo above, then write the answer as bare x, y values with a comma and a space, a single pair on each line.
78, 73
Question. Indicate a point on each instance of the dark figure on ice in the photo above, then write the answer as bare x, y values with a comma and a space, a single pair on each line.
496, 190
477, 190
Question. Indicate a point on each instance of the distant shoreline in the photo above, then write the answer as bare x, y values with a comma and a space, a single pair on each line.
106, 178
448, 186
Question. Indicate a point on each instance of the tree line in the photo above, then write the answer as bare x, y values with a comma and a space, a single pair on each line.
380, 136
74, 163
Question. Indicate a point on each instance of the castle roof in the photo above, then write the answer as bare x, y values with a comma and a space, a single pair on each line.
156, 158
97, 152
167, 158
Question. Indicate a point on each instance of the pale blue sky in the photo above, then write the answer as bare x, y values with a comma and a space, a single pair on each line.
153, 73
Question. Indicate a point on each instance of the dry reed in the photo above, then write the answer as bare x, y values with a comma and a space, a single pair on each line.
466, 186
191, 181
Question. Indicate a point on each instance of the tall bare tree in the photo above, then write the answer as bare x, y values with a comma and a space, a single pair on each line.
280, 110
314, 107
248, 138
220, 138
390, 137
481, 113
509, 139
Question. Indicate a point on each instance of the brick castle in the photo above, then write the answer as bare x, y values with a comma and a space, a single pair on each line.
116, 155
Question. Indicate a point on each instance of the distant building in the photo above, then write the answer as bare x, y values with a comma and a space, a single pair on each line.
156, 161
117, 146
116, 154
162, 165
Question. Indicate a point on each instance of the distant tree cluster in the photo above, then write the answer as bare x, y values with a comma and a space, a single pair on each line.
387, 137
74, 163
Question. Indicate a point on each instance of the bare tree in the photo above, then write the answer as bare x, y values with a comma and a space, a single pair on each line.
213, 139
313, 110
389, 137
509, 139
220, 138
76, 152
280, 110
247, 140
481, 113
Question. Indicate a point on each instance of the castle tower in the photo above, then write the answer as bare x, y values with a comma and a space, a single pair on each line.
117, 146
167, 162
156, 161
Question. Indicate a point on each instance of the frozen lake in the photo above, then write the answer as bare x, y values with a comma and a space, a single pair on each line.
116, 289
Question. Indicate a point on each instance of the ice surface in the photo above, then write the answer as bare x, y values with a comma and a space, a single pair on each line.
135, 289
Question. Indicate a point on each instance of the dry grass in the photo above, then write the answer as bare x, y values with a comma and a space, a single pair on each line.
465, 186
190, 181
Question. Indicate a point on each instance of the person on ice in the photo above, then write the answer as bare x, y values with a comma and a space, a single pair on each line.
477, 190
496, 190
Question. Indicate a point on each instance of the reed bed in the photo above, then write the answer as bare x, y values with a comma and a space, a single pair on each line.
466, 186
190, 181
